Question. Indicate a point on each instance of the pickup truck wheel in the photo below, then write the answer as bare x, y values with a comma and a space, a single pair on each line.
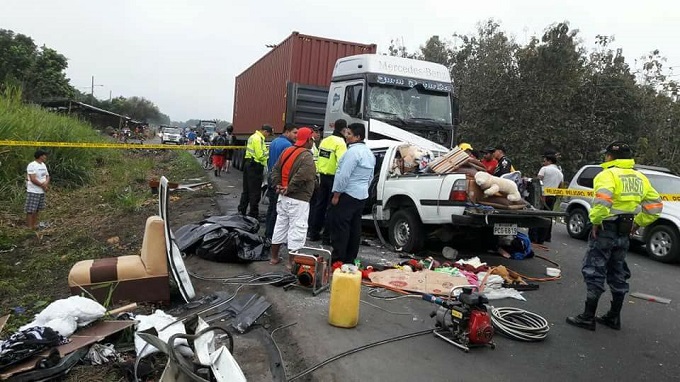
406, 231
578, 224
663, 244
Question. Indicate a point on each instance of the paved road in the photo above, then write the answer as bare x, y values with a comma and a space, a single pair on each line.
647, 348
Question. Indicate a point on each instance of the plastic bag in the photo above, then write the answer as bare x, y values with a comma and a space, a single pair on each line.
227, 239
67, 314
159, 320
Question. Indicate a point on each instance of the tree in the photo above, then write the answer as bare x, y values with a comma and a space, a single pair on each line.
40, 73
555, 94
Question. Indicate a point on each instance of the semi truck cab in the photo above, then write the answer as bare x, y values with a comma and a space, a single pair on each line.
392, 95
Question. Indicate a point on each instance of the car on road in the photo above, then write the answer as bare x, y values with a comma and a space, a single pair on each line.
661, 239
172, 135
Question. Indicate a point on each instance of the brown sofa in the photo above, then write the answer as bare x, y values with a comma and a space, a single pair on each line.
133, 278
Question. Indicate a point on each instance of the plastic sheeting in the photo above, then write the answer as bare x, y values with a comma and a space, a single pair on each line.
228, 239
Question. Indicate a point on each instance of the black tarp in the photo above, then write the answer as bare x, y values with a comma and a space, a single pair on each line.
225, 239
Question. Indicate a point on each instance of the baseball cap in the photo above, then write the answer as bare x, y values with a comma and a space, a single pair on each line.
465, 146
267, 128
317, 128
617, 147
489, 149
304, 134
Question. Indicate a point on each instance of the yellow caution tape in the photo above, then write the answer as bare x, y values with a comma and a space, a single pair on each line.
587, 193
567, 192
87, 145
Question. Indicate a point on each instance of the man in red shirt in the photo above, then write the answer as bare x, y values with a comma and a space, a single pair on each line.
487, 159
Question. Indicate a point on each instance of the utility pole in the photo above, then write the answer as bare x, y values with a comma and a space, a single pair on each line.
92, 90
110, 92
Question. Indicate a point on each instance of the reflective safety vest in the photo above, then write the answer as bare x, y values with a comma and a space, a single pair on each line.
287, 159
620, 190
315, 153
331, 150
256, 148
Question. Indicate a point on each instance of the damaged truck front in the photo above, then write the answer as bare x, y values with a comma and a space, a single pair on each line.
419, 204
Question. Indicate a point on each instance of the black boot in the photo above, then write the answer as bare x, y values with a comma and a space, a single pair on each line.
585, 320
613, 317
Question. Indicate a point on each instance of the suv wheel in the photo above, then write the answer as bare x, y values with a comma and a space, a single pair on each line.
663, 244
578, 224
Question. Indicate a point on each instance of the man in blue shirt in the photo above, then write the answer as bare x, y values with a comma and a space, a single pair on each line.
350, 191
278, 146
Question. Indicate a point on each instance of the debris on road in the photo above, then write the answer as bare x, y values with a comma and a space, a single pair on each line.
651, 298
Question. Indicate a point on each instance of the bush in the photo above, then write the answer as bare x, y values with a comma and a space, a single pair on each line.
69, 167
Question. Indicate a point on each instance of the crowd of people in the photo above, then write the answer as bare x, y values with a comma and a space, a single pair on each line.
497, 163
313, 184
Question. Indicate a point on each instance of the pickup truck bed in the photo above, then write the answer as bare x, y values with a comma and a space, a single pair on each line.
413, 205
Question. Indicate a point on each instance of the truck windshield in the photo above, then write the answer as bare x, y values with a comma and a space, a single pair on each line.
404, 104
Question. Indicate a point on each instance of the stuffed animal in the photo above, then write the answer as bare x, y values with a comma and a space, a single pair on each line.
493, 185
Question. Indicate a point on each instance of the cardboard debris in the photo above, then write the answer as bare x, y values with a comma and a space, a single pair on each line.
79, 339
425, 281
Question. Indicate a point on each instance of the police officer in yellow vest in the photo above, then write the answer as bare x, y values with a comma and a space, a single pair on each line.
331, 150
624, 201
256, 157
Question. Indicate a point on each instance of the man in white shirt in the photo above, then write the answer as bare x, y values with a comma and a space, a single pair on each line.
552, 177
37, 181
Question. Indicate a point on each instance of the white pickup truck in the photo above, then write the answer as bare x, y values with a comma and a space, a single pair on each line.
414, 206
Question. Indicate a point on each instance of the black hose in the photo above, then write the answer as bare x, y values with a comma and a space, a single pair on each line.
379, 233
358, 349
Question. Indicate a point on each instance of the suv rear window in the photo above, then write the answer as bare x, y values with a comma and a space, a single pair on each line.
587, 176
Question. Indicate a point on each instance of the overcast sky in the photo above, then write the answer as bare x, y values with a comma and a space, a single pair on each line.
184, 55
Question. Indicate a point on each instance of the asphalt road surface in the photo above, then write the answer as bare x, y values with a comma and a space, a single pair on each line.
647, 347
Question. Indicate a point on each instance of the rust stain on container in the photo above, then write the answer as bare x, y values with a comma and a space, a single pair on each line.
260, 91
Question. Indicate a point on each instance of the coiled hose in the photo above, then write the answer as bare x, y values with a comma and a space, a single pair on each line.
519, 324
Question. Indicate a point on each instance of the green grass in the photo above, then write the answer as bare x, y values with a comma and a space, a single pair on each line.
69, 167
95, 195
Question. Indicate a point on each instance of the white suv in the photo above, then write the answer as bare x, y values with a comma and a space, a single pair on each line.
171, 134
662, 238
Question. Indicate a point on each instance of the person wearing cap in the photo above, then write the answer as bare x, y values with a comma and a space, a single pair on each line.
467, 148
350, 192
504, 164
624, 201
331, 150
253, 171
294, 176
218, 154
489, 162
278, 146
551, 177
37, 181
318, 132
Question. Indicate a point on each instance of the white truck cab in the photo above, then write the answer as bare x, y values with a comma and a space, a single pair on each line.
392, 96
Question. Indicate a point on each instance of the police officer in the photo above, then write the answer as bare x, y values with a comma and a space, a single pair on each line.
253, 171
624, 201
331, 150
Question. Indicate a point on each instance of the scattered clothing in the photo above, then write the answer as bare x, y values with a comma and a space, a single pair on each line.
504, 166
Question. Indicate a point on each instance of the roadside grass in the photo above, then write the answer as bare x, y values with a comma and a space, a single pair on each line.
113, 205
70, 167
